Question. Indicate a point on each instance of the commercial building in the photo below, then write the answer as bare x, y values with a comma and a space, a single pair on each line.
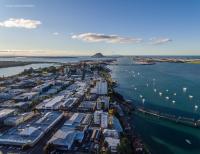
4, 113
29, 133
112, 143
101, 118
97, 117
103, 102
87, 106
53, 103
104, 120
101, 87
18, 119
26, 96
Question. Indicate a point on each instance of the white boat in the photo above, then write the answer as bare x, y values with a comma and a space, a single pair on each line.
174, 94
155, 90
147, 85
141, 96
188, 141
166, 90
167, 97
135, 88
184, 89
160, 93
190, 96
173, 102
143, 100
196, 107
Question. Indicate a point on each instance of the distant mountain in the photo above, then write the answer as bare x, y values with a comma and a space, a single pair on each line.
98, 55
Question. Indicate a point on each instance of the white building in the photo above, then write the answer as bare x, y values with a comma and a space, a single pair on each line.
101, 88
4, 113
104, 120
112, 143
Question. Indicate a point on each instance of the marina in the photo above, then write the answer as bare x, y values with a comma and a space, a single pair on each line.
167, 97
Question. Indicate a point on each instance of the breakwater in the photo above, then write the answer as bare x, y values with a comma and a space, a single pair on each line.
173, 118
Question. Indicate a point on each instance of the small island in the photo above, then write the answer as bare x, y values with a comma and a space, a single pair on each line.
98, 55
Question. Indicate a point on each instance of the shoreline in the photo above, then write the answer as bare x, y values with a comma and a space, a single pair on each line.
125, 120
7, 64
153, 60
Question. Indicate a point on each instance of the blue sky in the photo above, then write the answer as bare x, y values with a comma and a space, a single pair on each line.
83, 27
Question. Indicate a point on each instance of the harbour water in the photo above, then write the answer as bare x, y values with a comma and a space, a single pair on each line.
171, 88
9, 71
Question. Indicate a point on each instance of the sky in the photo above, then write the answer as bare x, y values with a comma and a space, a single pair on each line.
112, 27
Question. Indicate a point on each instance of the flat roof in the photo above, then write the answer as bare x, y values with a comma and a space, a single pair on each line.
53, 101
5, 112
31, 131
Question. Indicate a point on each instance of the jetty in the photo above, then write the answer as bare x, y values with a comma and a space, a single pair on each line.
164, 116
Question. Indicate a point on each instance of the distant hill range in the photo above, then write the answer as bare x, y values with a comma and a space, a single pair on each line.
98, 55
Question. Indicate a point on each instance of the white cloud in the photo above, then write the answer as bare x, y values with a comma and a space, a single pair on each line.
20, 23
94, 37
158, 41
56, 33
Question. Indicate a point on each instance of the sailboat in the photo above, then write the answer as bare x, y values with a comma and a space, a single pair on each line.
143, 100
184, 89
188, 141
167, 97
190, 96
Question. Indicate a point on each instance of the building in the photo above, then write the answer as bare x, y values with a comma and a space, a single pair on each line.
101, 88
104, 120
26, 96
104, 102
87, 106
4, 113
97, 117
111, 133
65, 137
18, 119
30, 132
112, 143
50, 104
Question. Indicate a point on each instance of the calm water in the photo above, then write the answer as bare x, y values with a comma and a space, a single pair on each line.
167, 87
18, 69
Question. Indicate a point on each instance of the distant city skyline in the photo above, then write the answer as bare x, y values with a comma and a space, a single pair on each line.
114, 27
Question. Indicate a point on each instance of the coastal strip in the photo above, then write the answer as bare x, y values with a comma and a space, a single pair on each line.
5, 64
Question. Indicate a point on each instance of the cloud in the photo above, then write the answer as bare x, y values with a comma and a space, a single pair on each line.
56, 33
20, 23
158, 41
94, 37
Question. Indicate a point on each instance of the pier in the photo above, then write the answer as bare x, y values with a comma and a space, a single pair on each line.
173, 118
